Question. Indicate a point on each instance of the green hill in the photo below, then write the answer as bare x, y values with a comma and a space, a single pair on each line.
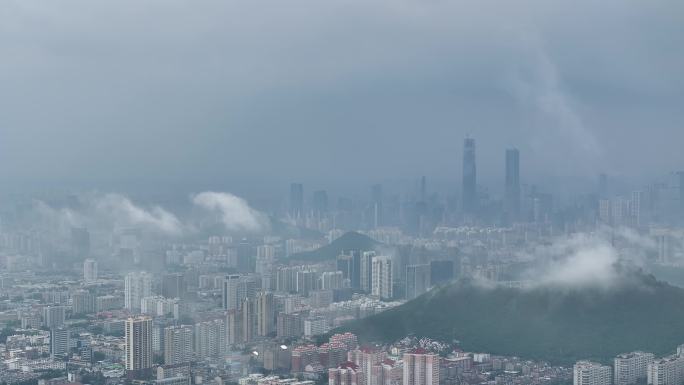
553, 324
348, 241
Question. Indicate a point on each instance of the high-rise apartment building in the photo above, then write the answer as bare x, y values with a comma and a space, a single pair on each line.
83, 302
53, 316
591, 373
210, 338
666, 371
178, 344
265, 314
137, 286
382, 282
90, 270
236, 288
59, 341
629, 368
421, 368
365, 271
138, 335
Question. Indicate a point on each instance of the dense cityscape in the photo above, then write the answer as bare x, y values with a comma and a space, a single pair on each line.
341, 192
143, 304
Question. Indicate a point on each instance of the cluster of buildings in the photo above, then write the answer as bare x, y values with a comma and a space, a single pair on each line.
633, 368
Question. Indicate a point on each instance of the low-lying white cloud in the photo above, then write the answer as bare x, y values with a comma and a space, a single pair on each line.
234, 212
587, 259
122, 212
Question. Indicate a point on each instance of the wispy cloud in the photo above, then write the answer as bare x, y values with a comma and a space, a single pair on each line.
234, 212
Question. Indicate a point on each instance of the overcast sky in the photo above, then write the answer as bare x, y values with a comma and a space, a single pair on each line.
195, 90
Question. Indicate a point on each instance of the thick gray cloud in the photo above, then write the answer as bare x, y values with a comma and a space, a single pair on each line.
175, 89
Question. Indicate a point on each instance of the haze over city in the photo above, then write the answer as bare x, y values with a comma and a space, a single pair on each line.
341, 192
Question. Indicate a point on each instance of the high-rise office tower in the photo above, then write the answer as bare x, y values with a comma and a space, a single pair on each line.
138, 347
265, 314
591, 373
178, 344
382, 282
417, 280
59, 341
296, 200
90, 270
512, 193
421, 368
630, 368
137, 286
469, 182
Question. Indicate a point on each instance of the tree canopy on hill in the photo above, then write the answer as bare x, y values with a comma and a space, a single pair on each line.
547, 323
349, 241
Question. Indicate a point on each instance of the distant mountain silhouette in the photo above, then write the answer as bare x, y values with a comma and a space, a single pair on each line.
349, 241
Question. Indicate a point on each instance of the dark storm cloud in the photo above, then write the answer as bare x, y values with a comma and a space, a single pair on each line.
182, 89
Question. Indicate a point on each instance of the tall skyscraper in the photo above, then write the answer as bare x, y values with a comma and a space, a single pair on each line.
139, 347
512, 194
382, 277
137, 286
469, 177
296, 200
90, 270
178, 344
591, 373
376, 205
421, 368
